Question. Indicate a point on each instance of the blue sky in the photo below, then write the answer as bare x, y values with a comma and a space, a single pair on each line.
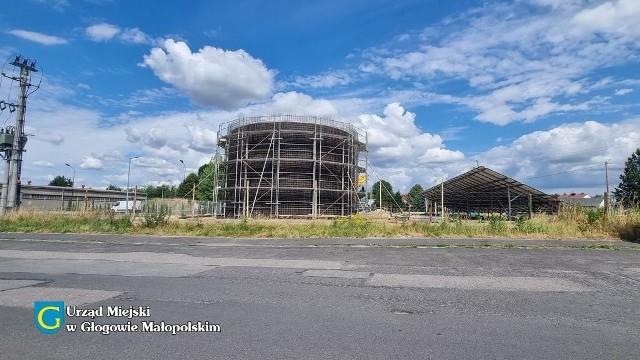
544, 91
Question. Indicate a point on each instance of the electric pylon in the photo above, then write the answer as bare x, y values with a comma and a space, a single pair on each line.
13, 139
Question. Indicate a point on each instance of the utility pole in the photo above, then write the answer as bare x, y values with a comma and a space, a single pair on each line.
11, 186
193, 200
215, 182
128, 177
606, 194
442, 198
380, 193
509, 199
73, 181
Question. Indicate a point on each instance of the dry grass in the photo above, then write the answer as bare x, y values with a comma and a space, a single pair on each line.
574, 224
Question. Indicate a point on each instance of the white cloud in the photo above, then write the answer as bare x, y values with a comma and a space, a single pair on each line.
521, 65
109, 156
202, 140
133, 135
90, 162
328, 80
53, 138
106, 32
569, 157
156, 137
297, 103
625, 91
212, 76
619, 17
102, 32
105, 149
38, 37
43, 163
394, 139
135, 36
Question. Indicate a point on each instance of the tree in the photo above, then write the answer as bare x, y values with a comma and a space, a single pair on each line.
387, 194
185, 187
204, 189
61, 181
152, 191
628, 192
166, 191
113, 187
415, 198
206, 177
398, 203
161, 191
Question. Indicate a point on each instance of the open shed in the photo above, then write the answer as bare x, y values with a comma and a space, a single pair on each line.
484, 191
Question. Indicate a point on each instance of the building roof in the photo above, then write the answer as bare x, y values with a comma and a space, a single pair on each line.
597, 201
484, 190
573, 196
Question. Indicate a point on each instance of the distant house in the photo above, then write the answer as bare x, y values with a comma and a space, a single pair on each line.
572, 196
596, 202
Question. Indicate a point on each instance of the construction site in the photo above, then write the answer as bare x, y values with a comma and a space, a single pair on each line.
291, 166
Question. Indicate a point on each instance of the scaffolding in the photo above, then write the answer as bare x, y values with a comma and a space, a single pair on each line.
291, 166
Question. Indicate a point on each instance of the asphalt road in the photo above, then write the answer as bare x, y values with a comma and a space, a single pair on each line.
321, 298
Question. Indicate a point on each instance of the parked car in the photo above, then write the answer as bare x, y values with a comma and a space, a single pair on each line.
121, 206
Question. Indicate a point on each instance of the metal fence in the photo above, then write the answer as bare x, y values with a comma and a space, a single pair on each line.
69, 204
186, 208
63, 202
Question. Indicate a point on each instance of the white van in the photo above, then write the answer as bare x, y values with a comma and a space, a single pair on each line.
121, 206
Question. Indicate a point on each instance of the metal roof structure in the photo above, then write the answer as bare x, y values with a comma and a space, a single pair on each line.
594, 202
483, 190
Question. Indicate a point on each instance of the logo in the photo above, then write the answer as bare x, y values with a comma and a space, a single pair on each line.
48, 316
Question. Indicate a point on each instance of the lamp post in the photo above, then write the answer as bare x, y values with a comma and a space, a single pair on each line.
184, 177
128, 177
73, 180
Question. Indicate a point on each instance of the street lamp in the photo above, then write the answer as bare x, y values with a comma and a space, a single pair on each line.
128, 177
184, 177
73, 180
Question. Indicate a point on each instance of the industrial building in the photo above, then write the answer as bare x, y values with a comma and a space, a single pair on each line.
41, 197
484, 191
291, 166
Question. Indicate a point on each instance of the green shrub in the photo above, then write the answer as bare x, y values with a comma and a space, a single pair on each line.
497, 225
154, 214
594, 215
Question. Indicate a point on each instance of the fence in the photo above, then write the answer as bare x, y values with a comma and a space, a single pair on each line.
185, 207
69, 204
64, 201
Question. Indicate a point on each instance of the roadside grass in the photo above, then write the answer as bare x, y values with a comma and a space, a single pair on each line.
65, 222
570, 224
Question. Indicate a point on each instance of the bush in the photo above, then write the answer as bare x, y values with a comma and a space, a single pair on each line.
497, 225
154, 214
594, 215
